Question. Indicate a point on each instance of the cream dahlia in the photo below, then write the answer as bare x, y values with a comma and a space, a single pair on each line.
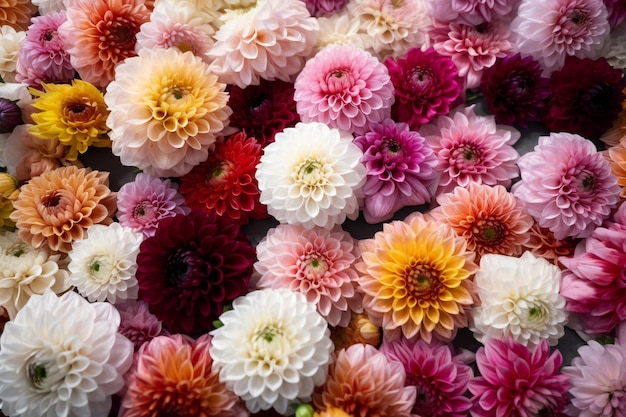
340, 29
272, 350
312, 175
166, 110
10, 43
61, 357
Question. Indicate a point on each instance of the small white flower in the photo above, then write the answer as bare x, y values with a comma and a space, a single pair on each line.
273, 349
103, 265
10, 43
62, 357
312, 175
519, 298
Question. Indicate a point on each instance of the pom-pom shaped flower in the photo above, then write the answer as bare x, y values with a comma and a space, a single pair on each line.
567, 186
174, 376
270, 40
312, 175
516, 382
363, 382
26, 271
425, 85
489, 218
344, 87
597, 378
519, 299
416, 278
59, 206
440, 378
470, 11
103, 264
263, 110
272, 349
16, 13
586, 97
147, 200
472, 149
99, 35
61, 357
400, 169
137, 323
166, 110
318, 263
10, 43
225, 183
75, 114
191, 268
551, 31
515, 91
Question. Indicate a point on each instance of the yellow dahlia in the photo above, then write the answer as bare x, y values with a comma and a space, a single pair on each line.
8, 192
416, 275
74, 114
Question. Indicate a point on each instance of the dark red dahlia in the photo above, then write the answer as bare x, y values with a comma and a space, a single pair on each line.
225, 182
191, 268
586, 97
426, 84
263, 110
515, 91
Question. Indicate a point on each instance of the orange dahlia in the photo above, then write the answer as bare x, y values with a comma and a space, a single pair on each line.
57, 207
416, 275
617, 161
16, 13
543, 244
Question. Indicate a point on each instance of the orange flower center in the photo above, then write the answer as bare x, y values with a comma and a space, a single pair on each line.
79, 111
51, 199
422, 281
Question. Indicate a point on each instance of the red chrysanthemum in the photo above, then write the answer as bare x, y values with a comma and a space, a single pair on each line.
191, 268
225, 183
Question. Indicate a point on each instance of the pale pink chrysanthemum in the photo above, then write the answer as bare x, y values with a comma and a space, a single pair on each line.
516, 382
137, 323
440, 378
270, 40
552, 30
567, 185
317, 262
98, 35
144, 202
363, 382
472, 149
344, 87
472, 47
470, 11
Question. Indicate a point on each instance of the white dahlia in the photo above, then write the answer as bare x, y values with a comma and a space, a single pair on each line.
273, 349
312, 175
26, 271
10, 43
62, 357
270, 40
519, 299
103, 265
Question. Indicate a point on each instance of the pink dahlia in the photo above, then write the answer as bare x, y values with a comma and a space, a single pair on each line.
594, 283
42, 56
515, 91
400, 169
472, 149
317, 262
552, 30
515, 382
472, 48
440, 378
98, 35
471, 11
567, 185
344, 87
144, 202
425, 84
137, 323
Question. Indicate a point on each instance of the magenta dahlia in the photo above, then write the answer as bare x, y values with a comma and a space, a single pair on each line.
319, 8
586, 97
193, 267
425, 83
516, 382
344, 87
400, 169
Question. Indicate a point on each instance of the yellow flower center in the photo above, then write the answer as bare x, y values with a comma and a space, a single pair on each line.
269, 343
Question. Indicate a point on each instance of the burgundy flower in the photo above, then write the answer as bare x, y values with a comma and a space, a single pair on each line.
320, 8
586, 97
617, 11
191, 268
426, 84
263, 110
515, 91
10, 115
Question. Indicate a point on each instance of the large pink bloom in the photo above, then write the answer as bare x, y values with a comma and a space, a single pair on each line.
344, 87
471, 11
515, 382
567, 185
